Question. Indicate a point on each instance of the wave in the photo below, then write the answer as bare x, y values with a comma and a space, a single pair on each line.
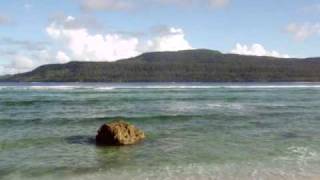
196, 171
124, 87
273, 87
156, 119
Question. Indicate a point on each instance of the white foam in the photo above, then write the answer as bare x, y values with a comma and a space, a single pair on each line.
272, 86
105, 88
246, 171
234, 106
58, 88
50, 87
101, 87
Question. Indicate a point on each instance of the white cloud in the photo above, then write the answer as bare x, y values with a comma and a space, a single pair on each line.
219, 3
69, 22
18, 64
111, 47
303, 31
175, 2
106, 5
171, 40
62, 57
4, 20
314, 8
256, 50
23, 44
22, 62
211, 3
71, 41
96, 47
23, 59
125, 5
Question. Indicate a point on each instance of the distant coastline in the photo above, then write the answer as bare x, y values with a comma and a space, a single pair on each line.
182, 66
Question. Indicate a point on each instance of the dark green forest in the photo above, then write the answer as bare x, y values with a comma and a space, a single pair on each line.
182, 66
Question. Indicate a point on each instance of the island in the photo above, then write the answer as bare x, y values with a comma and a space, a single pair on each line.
199, 65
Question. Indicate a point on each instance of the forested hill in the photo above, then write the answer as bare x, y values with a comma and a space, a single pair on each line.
182, 66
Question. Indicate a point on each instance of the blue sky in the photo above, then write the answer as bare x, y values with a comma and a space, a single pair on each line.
34, 32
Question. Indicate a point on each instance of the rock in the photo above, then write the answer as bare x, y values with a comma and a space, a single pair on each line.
119, 133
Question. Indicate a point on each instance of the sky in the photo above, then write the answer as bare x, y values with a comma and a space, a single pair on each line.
38, 32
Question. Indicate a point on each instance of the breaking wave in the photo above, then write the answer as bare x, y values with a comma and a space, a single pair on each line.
110, 87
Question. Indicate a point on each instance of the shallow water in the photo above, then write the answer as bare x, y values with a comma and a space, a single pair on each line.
194, 131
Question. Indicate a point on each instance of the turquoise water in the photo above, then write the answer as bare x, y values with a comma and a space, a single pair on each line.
194, 131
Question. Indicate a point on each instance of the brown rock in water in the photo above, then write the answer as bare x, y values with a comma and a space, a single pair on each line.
119, 133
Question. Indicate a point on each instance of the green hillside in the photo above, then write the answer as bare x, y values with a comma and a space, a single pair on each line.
182, 66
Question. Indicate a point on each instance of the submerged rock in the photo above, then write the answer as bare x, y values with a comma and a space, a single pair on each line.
119, 133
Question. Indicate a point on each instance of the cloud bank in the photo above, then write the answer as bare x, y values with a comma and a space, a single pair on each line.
70, 39
219, 3
78, 43
125, 5
256, 50
211, 3
106, 5
170, 39
4, 20
82, 45
303, 31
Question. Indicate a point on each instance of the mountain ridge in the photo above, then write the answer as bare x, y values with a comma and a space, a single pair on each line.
199, 65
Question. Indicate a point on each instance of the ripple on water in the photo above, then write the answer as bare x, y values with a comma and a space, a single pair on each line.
211, 131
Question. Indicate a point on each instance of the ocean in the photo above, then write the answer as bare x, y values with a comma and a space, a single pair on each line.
194, 131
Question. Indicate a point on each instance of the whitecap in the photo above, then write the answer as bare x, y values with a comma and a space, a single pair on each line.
104, 88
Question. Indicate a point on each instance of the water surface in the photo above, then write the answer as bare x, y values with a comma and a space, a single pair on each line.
194, 131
